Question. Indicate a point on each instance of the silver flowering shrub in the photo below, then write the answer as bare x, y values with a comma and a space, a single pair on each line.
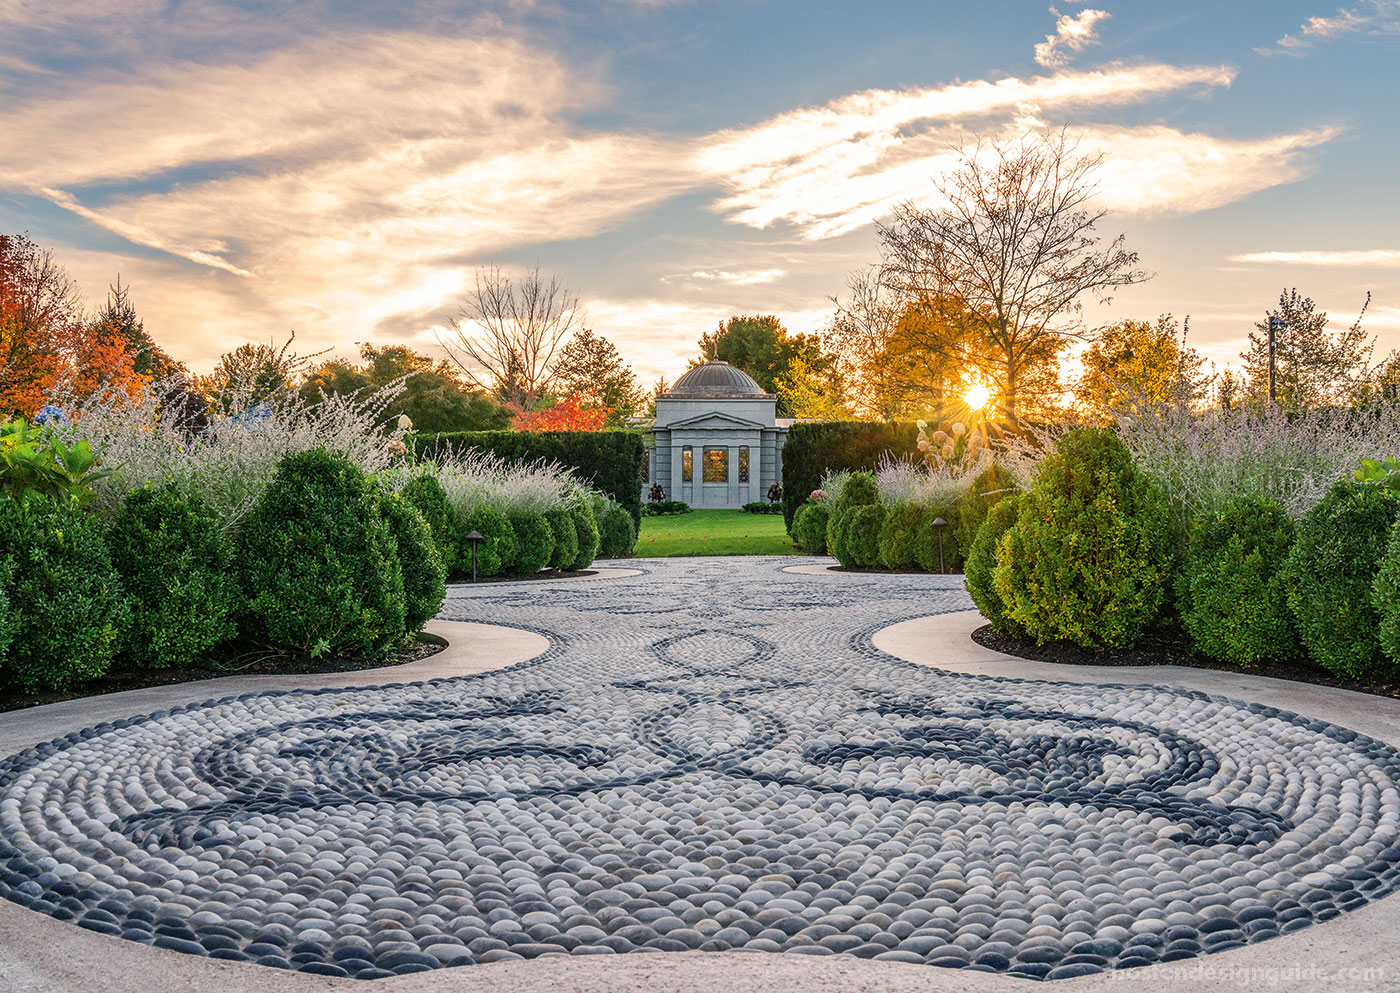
1202, 460
473, 479
903, 481
231, 460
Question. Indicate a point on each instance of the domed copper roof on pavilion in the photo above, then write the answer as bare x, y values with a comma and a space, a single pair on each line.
716, 379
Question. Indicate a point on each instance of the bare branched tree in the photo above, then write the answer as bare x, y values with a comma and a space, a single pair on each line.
1015, 247
860, 333
508, 330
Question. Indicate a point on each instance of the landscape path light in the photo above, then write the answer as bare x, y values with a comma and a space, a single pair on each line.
938, 525
474, 537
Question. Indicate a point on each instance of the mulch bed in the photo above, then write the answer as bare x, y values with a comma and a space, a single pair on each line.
1169, 646
230, 664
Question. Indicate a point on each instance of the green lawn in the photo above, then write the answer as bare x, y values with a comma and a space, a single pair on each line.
714, 532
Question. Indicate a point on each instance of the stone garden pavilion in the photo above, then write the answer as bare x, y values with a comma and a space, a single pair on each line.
717, 442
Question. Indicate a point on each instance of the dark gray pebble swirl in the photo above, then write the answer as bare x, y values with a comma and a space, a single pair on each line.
712, 756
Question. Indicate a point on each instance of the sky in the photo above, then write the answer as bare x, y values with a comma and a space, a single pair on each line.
341, 169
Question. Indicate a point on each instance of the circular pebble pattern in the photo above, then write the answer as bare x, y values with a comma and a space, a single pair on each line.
712, 756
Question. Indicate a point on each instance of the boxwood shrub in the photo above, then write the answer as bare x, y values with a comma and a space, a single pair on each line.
862, 540
899, 536
610, 461
496, 552
617, 533
1233, 595
176, 566
586, 528
809, 527
858, 490
967, 514
982, 562
67, 609
1090, 554
561, 523
1332, 571
427, 495
1385, 598
534, 540
424, 574
318, 563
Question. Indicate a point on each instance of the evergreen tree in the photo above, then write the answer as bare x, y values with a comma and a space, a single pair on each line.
118, 324
1312, 366
590, 368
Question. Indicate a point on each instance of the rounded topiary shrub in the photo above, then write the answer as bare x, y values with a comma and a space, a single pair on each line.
982, 561
427, 496
899, 536
1331, 571
67, 609
561, 522
926, 542
176, 566
1385, 598
617, 532
970, 510
1090, 554
863, 536
497, 550
859, 489
809, 528
586, 527
318, 563
534, 540
424, 573
837, 527
1234, 595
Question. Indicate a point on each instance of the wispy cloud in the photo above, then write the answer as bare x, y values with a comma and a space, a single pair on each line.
346, 185
1385, 258
741, 278
1073, 34
403, 160
1372, 17
832, 169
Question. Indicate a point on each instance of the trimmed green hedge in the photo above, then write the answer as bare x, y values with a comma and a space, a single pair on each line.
610, 461
814, 449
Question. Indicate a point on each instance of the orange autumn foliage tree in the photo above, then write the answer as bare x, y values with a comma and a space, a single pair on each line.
45, 343
38, 306
568, 414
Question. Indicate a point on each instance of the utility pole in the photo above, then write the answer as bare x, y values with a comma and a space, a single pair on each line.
1275, 324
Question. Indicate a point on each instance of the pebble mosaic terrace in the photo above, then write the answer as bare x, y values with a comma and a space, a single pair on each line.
711, 756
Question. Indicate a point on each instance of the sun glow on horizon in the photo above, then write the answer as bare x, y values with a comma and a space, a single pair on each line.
977, 395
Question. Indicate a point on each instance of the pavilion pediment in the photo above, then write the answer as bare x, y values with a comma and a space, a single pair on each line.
715, 420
